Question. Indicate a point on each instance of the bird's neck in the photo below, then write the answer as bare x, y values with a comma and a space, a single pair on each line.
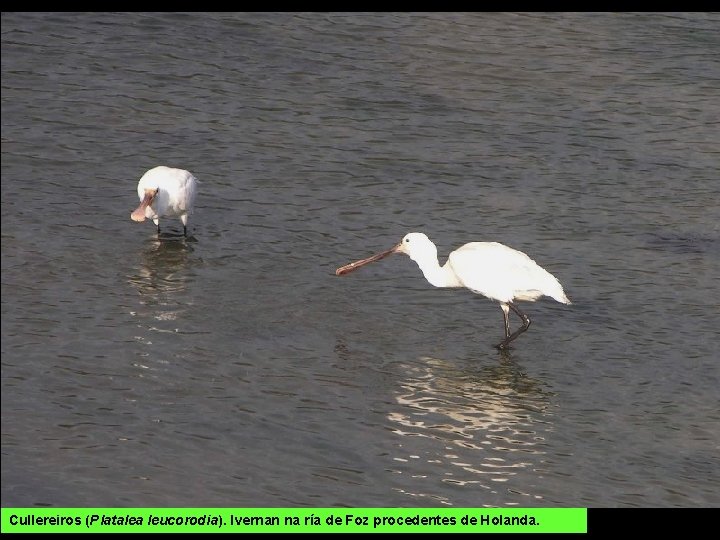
438, 276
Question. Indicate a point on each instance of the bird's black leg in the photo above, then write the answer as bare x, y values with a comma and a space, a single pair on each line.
158, 226
506, 319
526, 324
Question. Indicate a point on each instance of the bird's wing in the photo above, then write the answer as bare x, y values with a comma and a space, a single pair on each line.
180, 186
499, 272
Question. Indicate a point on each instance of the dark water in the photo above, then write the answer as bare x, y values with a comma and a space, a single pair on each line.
235, 368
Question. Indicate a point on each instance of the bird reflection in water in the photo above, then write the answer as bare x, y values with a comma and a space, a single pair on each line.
485, 426
161, 278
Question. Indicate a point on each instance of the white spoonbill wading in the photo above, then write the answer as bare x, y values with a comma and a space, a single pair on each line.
165, 192
491, 269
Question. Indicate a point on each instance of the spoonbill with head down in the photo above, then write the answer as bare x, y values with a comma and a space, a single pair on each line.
491, 269
165, 192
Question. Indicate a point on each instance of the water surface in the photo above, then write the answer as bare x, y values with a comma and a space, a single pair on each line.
235, 369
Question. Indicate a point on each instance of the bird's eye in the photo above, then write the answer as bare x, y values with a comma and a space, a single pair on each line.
407, 240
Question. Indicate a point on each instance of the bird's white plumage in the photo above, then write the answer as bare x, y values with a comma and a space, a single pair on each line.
503, 274
488, 268
491, 269
176, 190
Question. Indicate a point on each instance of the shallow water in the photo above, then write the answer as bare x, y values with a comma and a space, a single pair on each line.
235, 369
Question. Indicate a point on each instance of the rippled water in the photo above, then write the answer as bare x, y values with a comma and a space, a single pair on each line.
235, 369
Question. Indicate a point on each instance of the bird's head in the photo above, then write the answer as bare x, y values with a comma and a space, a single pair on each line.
417, 246
148, 196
